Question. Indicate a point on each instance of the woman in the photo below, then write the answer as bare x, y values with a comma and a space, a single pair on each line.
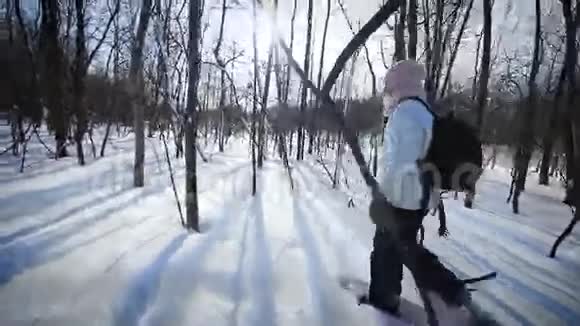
408, 197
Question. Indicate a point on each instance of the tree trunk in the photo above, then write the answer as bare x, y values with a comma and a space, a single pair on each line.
338, 163
79, 80
222, 65
428, 47
254, 97
435, 58
354, 44
551, 133
455, 48
113, 98
136, 93
304, 93
288, 70
400, 32
412, 26
366, 49
451, 24
321, 64
567, 231
194, 58
262, 119
485, 62
53, 73
526, 137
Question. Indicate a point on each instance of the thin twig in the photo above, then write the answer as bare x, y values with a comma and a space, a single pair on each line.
172, 180
319, 160
16, 142
24, 150
50, 151
8, 148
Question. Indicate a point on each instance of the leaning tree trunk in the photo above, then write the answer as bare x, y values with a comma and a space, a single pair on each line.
400, 42
485, 62
526, 137
573, 167
136, 90
113, 97
194, 62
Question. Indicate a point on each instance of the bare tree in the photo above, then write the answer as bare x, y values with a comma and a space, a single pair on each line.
254, 95
365, 48
412, 26
222, 65
304, 93
288, 70
53, 73
190, 121
17, 116
573, 138
485, 63
321, 65
551, 134
455, 48
264, 104
526, 135
136, 92
399, 50
81, 63
400, 33
115, 54
78, 79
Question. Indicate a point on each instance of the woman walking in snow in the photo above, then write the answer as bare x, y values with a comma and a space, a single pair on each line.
408, 197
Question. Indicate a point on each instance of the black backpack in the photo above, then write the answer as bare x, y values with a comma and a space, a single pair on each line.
454, 159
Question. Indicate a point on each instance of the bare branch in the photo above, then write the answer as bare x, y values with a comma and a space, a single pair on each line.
105, 32
360, 38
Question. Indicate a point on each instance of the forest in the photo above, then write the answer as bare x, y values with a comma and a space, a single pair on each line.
289, 82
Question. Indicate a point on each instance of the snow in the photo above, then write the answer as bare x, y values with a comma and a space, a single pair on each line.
81, 246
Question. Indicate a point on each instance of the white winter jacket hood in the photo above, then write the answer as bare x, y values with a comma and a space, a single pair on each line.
407, 136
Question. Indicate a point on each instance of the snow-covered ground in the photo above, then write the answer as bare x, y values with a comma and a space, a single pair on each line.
80, 246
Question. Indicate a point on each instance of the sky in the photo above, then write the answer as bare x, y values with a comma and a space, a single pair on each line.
513, 30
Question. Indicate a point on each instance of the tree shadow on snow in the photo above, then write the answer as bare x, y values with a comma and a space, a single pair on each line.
144, 287
237, 281
54, 194
317, 273
13, 206
185, 277
4, 239
22, 254
264, 310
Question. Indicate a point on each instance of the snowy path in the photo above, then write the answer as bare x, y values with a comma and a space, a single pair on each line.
79, 246
531, 289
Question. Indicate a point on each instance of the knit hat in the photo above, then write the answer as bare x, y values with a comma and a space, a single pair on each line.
405, 79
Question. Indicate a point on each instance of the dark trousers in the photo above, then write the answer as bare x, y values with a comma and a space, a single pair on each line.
387, 261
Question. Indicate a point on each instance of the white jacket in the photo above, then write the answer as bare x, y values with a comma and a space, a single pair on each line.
407, 138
